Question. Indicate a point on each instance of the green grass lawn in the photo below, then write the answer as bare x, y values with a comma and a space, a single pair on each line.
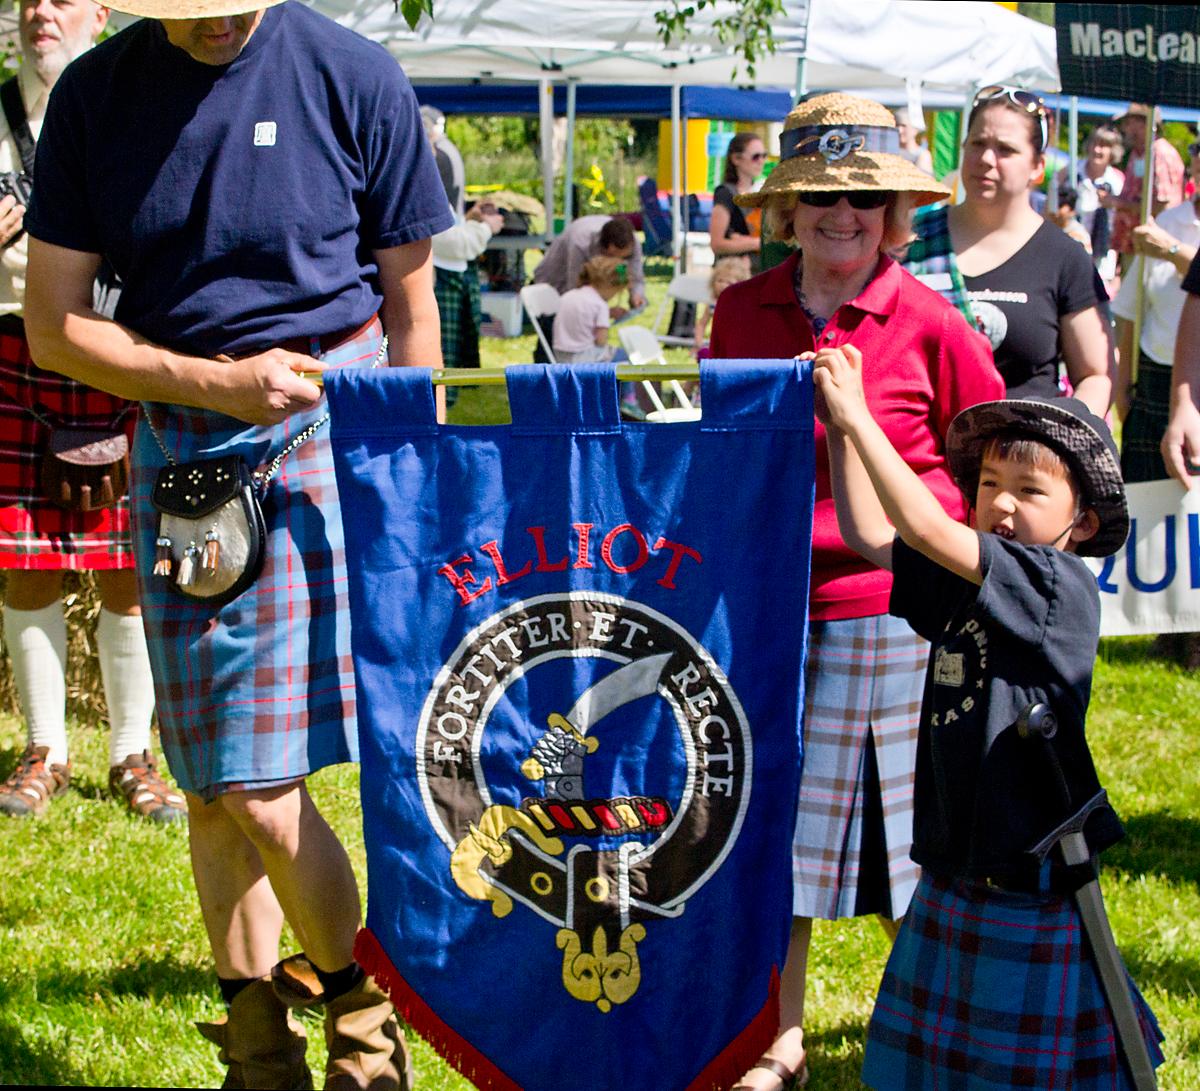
104, 964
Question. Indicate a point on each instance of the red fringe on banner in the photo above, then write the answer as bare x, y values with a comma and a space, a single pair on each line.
728, 1066
722, 1071
456, 1050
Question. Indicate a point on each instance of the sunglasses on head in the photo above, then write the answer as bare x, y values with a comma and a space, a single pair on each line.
862, 199
1022, 100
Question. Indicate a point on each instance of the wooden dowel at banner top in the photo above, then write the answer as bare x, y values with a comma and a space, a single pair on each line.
1139, 263
494, 376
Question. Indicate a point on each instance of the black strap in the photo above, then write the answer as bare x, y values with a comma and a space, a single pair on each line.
14, 114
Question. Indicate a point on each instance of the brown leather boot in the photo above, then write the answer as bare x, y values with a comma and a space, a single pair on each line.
367, 1051
260, 1042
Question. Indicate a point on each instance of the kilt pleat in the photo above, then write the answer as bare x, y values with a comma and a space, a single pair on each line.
259, 691
1142, 430
865, 678
35, 534
988, 989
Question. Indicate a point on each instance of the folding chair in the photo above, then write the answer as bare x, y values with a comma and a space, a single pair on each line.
644, 347
538, 300
691, 288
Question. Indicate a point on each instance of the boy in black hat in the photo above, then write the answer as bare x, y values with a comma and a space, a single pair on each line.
989, 980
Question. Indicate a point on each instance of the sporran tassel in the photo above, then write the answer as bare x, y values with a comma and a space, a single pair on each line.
212, 551
187, 567
162, 557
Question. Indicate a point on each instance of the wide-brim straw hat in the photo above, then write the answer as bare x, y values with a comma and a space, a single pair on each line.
188, 9
1067, 426
842, 142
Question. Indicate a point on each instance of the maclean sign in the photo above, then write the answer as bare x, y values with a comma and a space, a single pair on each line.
1140, 52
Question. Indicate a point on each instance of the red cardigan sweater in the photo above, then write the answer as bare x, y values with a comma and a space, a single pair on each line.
922, 363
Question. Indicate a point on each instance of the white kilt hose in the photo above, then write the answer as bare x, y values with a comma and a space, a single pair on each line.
865, 678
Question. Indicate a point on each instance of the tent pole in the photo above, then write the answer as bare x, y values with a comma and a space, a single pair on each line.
569, 166
546, 124
676, 174
1073, 139
801, 78
683, 155
1139, 263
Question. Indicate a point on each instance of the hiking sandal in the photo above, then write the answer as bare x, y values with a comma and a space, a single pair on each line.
137, 780
33, 783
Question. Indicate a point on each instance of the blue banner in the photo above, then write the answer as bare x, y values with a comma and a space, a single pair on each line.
579, 650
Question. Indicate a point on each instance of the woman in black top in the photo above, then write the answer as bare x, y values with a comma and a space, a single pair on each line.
729, 232
1032, 289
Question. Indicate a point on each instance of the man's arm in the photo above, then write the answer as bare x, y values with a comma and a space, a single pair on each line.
66, 335
1181, 440
409, 312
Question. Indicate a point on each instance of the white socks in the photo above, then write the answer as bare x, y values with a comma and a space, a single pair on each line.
37, 645
128, 686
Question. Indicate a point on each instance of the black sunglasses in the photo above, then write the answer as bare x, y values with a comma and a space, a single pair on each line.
860, 199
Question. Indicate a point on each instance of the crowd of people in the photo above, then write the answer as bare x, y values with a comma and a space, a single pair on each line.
964, 361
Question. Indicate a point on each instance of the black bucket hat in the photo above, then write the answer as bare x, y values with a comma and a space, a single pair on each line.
1071, 429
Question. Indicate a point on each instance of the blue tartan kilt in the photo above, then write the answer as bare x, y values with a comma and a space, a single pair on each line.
260, 691
990, 989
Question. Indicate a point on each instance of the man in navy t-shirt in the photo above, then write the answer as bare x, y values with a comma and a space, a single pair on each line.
260, 182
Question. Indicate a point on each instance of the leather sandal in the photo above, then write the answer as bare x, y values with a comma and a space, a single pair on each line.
788, 1077
33, 783
137, 781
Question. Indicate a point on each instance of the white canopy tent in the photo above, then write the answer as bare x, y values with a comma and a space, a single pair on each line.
832, 44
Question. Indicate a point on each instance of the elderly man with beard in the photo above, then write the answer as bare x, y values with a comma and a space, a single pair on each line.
258, 178
39, 538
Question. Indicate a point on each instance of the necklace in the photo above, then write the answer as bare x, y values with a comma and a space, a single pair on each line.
818, 323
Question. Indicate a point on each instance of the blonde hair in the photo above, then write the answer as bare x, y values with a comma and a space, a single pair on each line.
604, 272
733, 269
897, 220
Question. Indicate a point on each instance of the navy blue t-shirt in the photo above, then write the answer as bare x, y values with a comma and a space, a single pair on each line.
983, 796
240, 204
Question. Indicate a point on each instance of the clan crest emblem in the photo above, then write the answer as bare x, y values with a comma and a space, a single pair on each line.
615, 806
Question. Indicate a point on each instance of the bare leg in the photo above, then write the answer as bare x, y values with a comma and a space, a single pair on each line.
788, 1047
32, 589
240, 910
890, 927
309, 870
118, 592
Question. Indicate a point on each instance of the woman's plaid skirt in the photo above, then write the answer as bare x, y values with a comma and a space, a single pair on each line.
259, 691
865, 679
1142, 430
34, 533
988, 989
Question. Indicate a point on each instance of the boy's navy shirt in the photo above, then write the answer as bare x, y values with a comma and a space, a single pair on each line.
239, 203
983, 795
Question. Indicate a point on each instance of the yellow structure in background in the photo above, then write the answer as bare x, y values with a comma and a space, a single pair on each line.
704, 145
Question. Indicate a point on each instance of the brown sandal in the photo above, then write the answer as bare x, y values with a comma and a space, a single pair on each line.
33, 783
788, 1077
137, 780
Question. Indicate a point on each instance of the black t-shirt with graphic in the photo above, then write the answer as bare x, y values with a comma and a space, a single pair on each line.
983, 795
723, 196
1020, 302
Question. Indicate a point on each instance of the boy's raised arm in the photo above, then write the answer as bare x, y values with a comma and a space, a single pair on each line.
913, 510
861, 518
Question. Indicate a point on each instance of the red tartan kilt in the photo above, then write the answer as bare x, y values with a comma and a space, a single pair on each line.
35, 534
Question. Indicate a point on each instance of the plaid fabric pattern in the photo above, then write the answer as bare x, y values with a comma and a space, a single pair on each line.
261, 690
1142, 431
988, 989
35, 534
458, 304
865, 679
930, 258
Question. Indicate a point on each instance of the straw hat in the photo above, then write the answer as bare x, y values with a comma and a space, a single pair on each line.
840, 142
189, 9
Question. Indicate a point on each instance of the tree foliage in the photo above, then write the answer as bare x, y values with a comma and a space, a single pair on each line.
747, 28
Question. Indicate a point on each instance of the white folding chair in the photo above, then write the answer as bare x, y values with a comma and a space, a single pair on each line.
643, 346
684, 288
541, 299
